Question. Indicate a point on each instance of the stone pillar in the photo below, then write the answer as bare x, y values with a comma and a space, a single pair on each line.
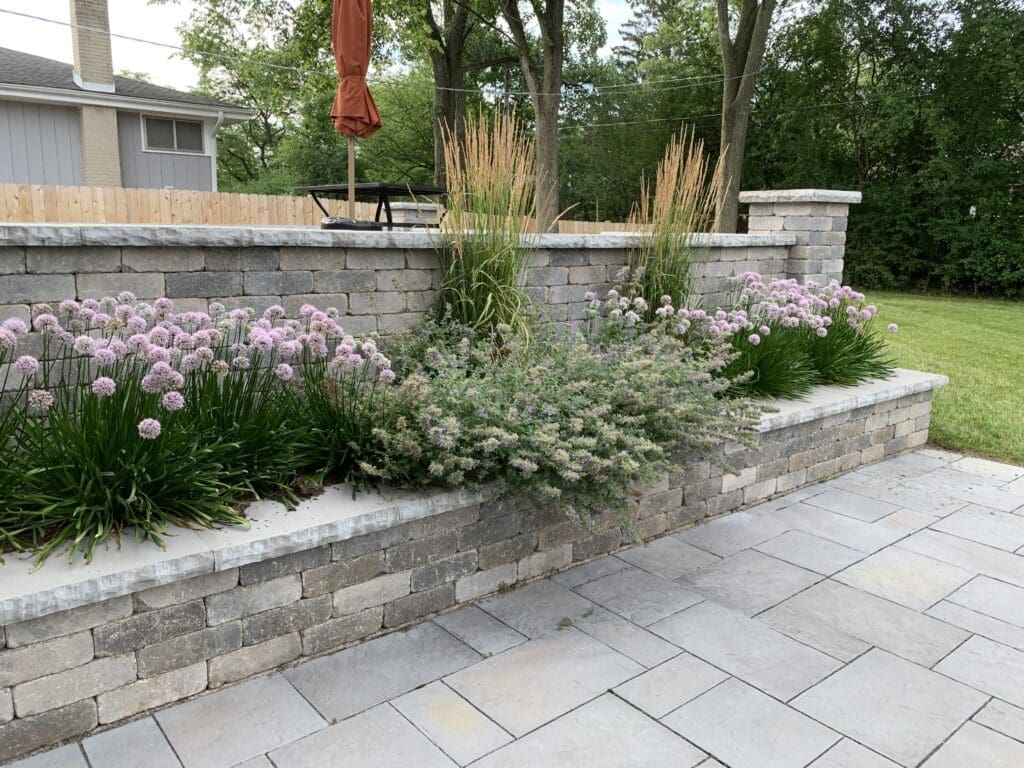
816, 217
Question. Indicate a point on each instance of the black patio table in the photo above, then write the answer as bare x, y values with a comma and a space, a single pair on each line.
382, 192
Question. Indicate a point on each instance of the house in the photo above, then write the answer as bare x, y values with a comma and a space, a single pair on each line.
79, 124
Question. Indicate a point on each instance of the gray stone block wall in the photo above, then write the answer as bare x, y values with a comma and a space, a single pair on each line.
66, 674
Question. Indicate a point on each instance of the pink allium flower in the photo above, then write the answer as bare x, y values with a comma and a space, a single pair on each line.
27, 365
765, 330
274, 312
126, 297
893, 328
104, 357
220, 367
822, 331
163, 305
14, 325
45, 322
240, 363
104, 387
284, 372
386, 375
156, 354
91, 304
84, 345
149, 429
151, 384
172, 401
69, 307
8, 340
40, 401
754, 339
307, 310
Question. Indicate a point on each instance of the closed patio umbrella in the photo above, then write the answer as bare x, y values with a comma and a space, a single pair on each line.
354, 112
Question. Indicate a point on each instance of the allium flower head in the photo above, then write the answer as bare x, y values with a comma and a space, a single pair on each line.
104, 387
893, 328
822, 331
40, 401
386, 375
27, 365
149, 429
14, 325
45, 322
104, 357
284, 372
8, 340
172, 401
84, 345
754, 339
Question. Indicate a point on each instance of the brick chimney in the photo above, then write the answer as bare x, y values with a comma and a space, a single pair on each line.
94, 71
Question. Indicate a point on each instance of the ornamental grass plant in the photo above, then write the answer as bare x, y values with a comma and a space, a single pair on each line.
680, 204
490, 210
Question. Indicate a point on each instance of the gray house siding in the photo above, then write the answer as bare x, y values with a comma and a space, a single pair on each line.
39, 144
156, 170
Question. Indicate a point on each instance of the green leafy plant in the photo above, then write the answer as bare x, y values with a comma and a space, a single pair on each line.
483, 246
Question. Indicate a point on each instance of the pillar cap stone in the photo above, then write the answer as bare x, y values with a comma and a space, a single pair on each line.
800, 196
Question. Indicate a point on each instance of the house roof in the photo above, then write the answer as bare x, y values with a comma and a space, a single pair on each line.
36, 72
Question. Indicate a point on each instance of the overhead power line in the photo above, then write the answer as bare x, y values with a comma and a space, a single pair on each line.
685, 83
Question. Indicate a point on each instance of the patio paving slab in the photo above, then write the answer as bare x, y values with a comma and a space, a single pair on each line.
63, 757
750, 581
137, 744
979, 624
1002, 717
534, 683
747, 649
924, 500
479, 630
451, 722
853, 505
365, 675
850, 754
905, 577
669, 557
639, 596
976, 745
235, 724
733, 533
606, 732
1003, 530
891, 705
844, 622
856, 534
745, 728
379, 738
537, 608
810, 552
969, 555
670, 685
988, 666
626, 638
591, 571
993, 598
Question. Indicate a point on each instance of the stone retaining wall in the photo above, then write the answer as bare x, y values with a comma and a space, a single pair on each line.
69, 672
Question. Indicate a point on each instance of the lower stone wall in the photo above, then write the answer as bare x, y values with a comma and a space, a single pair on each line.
67, 673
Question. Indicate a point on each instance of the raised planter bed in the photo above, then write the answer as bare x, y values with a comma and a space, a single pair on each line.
84, 646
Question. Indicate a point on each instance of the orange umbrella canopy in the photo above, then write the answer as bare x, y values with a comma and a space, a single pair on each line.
354, 112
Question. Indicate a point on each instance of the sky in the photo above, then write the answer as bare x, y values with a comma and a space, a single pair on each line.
158, 23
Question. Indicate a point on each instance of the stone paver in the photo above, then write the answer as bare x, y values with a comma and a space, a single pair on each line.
606, 732
639, 596
451, 722
904, 577
358, 678
379, 738
871, 621
810, 552
850, 754
891, 705
670, 685
976, 745
132, 745
747, 648
670, 557
744, 728
236, 724
538, 681
750, 582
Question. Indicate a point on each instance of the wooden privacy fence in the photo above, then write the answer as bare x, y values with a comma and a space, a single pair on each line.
38, 204
34, 203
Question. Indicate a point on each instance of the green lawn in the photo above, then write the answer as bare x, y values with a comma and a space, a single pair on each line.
979, 345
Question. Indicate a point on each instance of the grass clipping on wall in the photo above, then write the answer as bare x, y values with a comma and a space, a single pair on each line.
681, 203
490, 179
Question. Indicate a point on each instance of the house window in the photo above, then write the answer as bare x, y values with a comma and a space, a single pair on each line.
163, 135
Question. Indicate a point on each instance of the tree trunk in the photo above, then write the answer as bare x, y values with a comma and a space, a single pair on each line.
545, 107
741, 61
449, 110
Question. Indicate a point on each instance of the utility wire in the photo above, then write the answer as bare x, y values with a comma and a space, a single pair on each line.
694, 81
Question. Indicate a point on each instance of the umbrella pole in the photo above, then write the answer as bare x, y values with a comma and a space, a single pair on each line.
351, 177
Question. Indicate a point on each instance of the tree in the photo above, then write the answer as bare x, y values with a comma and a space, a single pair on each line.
742, 54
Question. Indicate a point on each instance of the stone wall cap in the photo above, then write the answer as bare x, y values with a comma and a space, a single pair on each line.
185, 236
335, 515
800, 196
829, 401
